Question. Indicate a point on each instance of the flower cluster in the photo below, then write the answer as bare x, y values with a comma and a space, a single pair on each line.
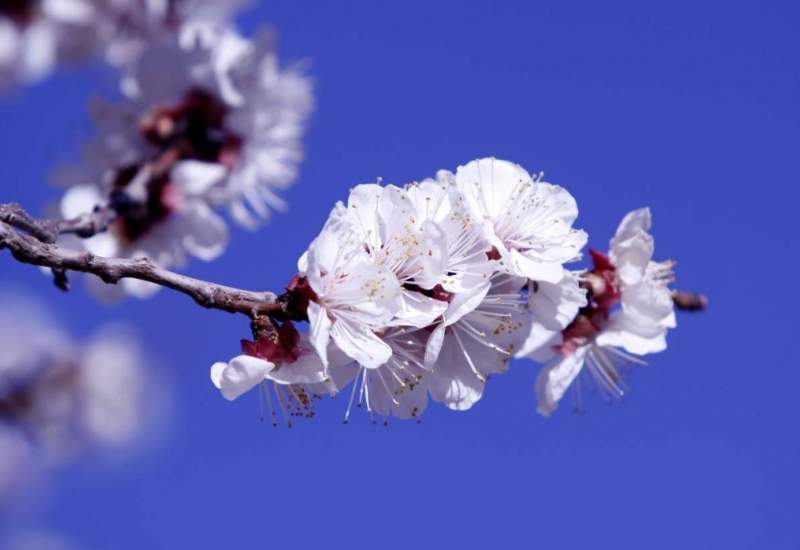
426, 291
210, 121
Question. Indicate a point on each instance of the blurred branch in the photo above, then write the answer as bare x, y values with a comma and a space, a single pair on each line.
689, 301
30, 249
47, 231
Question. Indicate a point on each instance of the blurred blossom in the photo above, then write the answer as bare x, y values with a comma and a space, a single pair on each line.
36, 35
59, 398
18, 465
211, 121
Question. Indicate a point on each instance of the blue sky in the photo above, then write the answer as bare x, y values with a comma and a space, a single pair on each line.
688, 107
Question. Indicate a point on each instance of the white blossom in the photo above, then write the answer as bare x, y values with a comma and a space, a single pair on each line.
602, 339
412, 248
353, 296
465, 262
527, 221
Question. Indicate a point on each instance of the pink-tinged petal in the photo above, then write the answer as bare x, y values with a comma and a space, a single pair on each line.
320, 330
554, 380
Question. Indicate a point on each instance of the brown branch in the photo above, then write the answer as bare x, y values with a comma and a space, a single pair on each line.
30, 250
689, 301
47, 231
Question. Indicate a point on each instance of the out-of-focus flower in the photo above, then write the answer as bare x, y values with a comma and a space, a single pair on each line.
60, 397
211, 121
602, 336
36, 35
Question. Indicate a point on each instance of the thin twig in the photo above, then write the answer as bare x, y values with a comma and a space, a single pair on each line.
48, 231
30, 250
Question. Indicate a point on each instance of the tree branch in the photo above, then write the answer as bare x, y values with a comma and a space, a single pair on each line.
47, 231
30, 249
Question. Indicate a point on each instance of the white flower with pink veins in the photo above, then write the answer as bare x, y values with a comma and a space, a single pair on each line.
528, 222
629, 311
352, 296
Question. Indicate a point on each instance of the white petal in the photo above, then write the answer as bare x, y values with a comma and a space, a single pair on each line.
635, 334
540, 343
556, 305
434, 345
418, 310
553, 381
81, 199
360, 343
307, 369
319, 330
205, 233
196, 177
466, 302
240, 375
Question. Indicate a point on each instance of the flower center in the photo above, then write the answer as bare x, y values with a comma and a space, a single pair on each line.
280, 348
137, 217
602, 293
195, 127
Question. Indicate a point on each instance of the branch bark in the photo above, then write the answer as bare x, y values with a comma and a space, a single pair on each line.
48, 231
30, 249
